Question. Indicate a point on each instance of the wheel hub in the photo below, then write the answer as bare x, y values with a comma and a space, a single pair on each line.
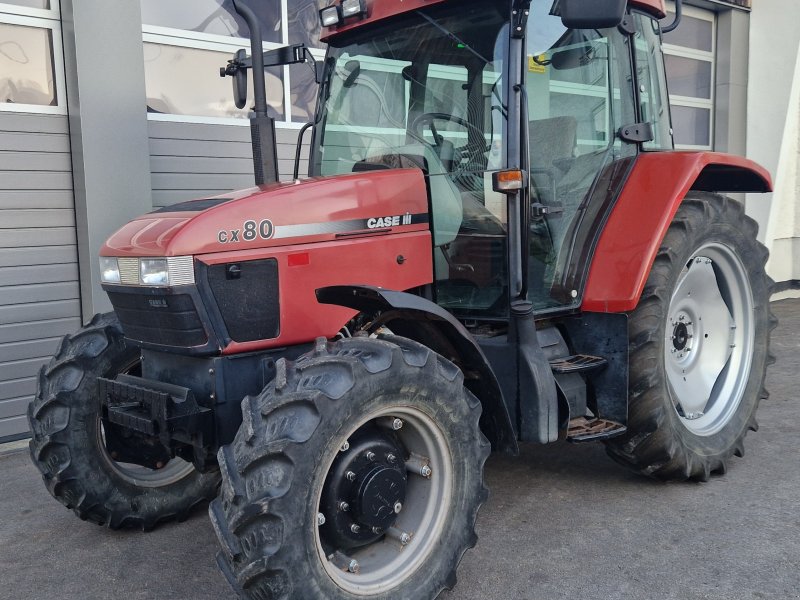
365, 490
382, 490
680, 336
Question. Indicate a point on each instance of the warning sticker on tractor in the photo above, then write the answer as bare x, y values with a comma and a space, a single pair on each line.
537, 64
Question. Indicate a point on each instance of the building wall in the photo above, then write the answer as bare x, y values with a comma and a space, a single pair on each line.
39, 289
772, 128
195, 160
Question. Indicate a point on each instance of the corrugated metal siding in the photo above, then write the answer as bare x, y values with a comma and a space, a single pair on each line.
39, 292
194, 160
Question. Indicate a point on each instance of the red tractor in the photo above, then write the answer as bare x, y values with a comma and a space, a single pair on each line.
496, 243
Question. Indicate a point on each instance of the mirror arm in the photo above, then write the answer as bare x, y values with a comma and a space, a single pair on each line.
257, 61
678, 15
519, 16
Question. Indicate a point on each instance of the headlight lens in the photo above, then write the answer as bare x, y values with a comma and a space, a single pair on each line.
154, 271
330, 16
351, 8
109, 270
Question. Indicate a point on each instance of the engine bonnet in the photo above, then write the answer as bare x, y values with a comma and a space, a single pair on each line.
280, 214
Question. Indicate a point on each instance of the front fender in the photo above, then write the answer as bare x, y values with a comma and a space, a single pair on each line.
639, 221
425, 322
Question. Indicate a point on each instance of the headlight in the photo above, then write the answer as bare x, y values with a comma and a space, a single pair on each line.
109, 270
330, 16
154, 271
172, 271
351, 8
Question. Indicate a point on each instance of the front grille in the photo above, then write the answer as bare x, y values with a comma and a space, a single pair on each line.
163, 319
247, 297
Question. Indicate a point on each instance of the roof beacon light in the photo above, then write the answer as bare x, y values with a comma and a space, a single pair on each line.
330, 16
353, 8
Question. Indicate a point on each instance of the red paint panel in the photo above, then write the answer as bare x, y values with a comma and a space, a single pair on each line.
378, 10
640, 219
290, 208
657, 8
368, 261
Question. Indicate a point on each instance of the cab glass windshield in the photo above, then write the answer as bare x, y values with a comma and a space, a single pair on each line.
428, 90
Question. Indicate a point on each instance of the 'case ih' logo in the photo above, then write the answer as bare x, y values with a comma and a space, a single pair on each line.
381, 222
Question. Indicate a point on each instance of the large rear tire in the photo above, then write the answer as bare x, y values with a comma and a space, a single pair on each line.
357, 474
699, 345
68, 443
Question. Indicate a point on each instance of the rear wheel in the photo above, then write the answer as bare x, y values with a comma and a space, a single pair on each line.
69, 442
357, 473
699, 343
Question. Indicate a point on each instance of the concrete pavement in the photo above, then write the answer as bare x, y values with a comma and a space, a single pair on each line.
562, 522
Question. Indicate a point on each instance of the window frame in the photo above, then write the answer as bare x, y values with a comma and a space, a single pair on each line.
49, 20
702, 56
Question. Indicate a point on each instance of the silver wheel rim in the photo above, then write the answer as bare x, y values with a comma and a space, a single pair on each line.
387, 563
709, 339
172, 472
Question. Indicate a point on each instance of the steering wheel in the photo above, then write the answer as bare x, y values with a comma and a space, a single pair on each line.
470, 150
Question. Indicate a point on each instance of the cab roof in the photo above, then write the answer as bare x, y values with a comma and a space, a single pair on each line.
379, 10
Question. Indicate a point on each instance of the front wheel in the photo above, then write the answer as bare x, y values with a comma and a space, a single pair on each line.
357, 473
69, 441
699, 345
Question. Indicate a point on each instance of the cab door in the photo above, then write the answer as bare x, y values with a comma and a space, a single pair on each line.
581, 92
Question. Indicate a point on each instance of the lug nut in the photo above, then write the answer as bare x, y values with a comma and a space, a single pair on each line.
320, 519
398, 507
377, 530
354, 567
355, 528
391, 458
419, 466
350, 476
344, 506
392, 423
345, 447
401, 536
370, 456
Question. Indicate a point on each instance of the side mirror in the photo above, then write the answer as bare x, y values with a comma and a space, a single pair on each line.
591, 14
240, 81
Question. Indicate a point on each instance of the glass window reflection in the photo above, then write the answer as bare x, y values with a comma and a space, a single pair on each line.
26, 66
217, 17
186, 81
304, 24
45, 4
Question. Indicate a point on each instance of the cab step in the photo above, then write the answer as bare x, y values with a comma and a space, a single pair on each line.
578, 363
584, 429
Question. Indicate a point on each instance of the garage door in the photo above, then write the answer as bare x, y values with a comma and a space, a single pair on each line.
39, 294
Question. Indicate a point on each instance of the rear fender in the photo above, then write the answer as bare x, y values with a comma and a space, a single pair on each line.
639, 221
425, 322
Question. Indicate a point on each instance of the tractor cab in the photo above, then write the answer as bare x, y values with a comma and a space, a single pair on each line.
444, 89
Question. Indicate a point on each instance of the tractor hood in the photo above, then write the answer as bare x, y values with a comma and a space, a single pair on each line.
281, 214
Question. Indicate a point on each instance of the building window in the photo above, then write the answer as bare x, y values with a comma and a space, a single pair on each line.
214, 17
31, 63
187, 41
691, 68
183, 80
